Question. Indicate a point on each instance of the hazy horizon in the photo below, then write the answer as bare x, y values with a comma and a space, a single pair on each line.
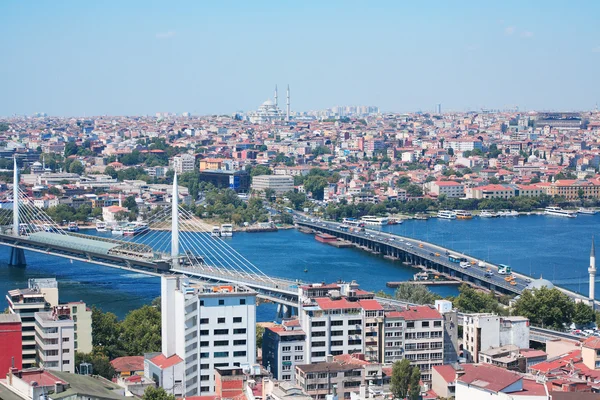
143, 57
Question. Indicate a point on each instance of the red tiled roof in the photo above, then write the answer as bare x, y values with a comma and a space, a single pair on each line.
370, 305
130, 363
341, 304
163, 362
43, 378
421, 312
488, 377
592, 343
446, 371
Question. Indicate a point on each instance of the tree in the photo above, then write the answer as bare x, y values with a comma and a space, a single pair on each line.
450, 151
418, 294
260, 331
141, 331
100, 364
471, 300
153, 393
269, 194
583, 314
414, 391
315, 185
401, 373
76, 167
110, 170
260, 170
320, 150
548, 308
70, 149
107, 332
535, 179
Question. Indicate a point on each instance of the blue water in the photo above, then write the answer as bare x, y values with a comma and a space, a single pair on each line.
556, 247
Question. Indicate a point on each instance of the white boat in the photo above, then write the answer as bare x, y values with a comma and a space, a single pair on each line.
226, 230
135, 228
73, 227
559, 212
487, 214
216, 231
117, 230
587, 211
373, 220
462, 214
512, 213
101, 226
446, 214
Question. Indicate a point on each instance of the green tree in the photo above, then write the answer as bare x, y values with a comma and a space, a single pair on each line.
260, 170
414, 391
269, 194
583, 314
70, 149
141, 331
76, 167
548, 308
107, 332
450, 151
320, 150
401, 374
153, 393
418, 294
260, 331
471, 300
110, 170
100, 364
315, 185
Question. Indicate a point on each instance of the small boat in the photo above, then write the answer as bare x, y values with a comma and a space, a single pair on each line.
216, 231
462, 214
393, 221
135, 229
226, 230
117, 230
487, 214
305, 269
513, 213
101, 226
559, 212
445, 214
373, 220
587, 211
422, 217
73, 227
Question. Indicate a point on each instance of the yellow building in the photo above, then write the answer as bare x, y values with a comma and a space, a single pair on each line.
569, 188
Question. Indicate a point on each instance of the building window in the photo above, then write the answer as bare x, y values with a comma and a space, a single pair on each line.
239, 342
65, 339
286, 358
239, 331
425, 324
299, 348
204, 344
237, 320
221, 320
242, 302
286, 377
221, 302
437, 324
74, 309
221, 343
203, 321
204, 355
239, 354
298, 358
221, 354
410, 324
221, 331
201, 303
315, 324
286, 349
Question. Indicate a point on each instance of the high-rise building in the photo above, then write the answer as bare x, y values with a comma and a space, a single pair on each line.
209, 326
184, 163
40, 295
283, 349
10, 343
55, 339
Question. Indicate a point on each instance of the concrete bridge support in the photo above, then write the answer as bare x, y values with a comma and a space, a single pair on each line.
284, 311
17, 257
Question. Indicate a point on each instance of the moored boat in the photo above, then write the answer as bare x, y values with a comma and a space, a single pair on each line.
587, 211
446, 214
462, 214
101, 226
135, 228
559, 212
73, 227
226, 230
373, 220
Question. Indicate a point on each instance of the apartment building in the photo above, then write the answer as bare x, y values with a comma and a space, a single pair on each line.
283, 349
446, 188
450, 316
463, 144
393, 336
484, 331
493, 191
209, 326
82, 319
184, 163
423, 338
55, 339
40, 295
280, 184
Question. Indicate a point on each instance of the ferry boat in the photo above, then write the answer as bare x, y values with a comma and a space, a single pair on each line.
372, 220
487, 214
226, 230
101, 226
73, 227
462, 214
216, 231
587, 211
559, 212
421, 216
135, 228
445, 214
352, 222
117, 230
508, 213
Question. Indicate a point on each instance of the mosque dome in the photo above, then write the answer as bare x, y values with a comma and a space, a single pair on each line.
268, 103
540, 283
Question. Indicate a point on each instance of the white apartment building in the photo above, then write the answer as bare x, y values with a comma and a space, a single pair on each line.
484, 331
82, 319
283, 349
393, 334
463, 144
40, 295
280, 184
184, 163
209, 326
446, 188
55, 339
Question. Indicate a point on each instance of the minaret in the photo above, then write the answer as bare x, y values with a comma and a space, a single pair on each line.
276, 104
592, 271
287, 113
175, 223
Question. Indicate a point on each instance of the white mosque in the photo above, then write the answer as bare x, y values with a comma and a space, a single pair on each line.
270, 112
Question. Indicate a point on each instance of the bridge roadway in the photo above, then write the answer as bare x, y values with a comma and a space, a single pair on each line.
281, 291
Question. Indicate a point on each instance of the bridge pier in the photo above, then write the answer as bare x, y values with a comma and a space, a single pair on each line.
17, 257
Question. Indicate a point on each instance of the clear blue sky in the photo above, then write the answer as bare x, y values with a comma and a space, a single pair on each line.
142, 57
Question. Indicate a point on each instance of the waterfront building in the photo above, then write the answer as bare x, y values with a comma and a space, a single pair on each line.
184, 163
283, 349
209, 326
55, 339
485, 331
11, 341
40, 295
492, 191
571, 189
446, 188
280, 184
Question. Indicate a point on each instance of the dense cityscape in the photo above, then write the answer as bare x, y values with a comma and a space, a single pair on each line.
179, 222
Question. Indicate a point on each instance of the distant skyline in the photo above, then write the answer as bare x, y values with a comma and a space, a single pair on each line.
73, 58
